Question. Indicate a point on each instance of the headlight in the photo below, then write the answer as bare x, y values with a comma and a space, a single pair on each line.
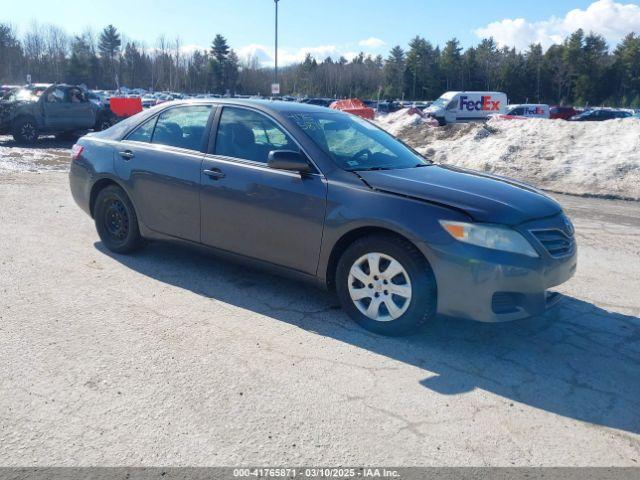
490, 236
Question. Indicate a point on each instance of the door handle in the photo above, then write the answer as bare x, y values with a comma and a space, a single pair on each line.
127, 154
214, 173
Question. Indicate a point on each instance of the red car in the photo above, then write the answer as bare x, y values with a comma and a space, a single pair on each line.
562, 113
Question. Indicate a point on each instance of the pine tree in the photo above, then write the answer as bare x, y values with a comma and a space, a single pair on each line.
109, 48
394, 71
451, 64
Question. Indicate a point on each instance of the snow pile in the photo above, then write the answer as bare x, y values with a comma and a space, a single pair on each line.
48, 154
586, 158
406, 117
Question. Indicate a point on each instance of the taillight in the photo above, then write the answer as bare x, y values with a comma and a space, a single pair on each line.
76, 151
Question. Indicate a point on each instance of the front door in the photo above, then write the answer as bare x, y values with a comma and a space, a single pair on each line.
250, 209
56, 109
161, 161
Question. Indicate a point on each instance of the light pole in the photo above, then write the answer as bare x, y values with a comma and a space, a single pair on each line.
275, 77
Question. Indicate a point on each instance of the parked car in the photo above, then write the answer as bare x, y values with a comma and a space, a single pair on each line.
455, 107
59, 109
558, 112
330, 198
600, 115
529, 110
5, 90
389, 106
322, 102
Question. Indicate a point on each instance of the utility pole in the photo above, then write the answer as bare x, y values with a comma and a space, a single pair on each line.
275, 78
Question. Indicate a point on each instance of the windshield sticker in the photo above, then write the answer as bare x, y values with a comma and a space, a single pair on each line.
305, 121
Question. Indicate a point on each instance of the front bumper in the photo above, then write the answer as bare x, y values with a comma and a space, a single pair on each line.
492, 286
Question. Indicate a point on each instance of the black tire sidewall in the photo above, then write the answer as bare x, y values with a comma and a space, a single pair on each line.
423, 304
133, 239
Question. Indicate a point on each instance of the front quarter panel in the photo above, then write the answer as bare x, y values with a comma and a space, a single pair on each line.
353, 205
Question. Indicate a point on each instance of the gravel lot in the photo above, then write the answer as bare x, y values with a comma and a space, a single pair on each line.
171, 357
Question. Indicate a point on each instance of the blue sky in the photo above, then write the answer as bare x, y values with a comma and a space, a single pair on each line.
332, 27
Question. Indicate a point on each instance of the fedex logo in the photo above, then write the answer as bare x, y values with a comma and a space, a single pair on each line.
534, 111
485, 103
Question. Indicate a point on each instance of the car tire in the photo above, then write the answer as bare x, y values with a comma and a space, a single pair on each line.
116, 221
404, 287
25, 130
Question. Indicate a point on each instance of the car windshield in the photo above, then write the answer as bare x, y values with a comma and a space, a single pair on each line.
443, 101
355, 144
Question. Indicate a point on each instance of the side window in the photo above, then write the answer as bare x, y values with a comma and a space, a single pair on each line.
517, 111
76, 96
144, 132
56, 96
182, 127
250, 135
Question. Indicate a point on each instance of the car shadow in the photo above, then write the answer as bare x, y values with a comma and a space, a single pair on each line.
48, 142
578, 360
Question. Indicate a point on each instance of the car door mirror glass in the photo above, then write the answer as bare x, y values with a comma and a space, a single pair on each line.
288, 160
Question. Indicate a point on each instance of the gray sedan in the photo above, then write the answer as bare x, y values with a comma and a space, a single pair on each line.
330, 198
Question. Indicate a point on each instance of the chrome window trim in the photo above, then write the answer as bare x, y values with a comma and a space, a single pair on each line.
260, 166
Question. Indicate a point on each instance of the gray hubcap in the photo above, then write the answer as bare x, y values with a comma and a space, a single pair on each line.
28, 131
380, 287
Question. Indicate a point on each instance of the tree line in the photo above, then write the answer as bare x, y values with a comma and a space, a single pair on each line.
581, 70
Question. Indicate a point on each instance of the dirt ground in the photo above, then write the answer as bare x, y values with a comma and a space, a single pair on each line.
170, 357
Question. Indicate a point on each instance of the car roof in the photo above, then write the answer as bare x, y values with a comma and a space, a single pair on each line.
275, 106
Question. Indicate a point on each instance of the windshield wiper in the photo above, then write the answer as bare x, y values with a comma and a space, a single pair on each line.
372, 169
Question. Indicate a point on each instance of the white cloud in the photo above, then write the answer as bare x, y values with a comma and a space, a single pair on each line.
610, 19
372, 42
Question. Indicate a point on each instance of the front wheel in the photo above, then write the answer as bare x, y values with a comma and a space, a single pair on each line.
25, 131
116, 220
386, 285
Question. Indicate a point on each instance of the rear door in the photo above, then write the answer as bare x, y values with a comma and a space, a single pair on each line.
81, 111
161, 160
250, 209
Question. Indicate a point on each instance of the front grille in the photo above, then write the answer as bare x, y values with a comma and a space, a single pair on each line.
555, 241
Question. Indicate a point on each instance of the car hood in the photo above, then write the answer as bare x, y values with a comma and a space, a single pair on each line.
485, 198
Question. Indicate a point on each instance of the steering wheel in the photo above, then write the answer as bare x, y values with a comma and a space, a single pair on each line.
362, 152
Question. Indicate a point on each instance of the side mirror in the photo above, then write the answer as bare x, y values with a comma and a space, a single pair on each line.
288, 160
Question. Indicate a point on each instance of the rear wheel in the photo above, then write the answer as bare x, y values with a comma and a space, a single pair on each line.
386, 285
25, 130
116, 220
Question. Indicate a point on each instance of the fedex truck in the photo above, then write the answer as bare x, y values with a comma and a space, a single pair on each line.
529, 110
455, 107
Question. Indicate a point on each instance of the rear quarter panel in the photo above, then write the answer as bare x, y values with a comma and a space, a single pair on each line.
95, 163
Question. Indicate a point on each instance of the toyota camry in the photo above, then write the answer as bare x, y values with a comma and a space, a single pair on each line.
330, 198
